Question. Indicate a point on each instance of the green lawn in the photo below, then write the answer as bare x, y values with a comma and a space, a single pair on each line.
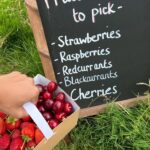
116, 129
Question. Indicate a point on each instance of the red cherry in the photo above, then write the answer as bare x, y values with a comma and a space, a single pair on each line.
60, 116
47, 116
47, 95
58, 106
68, 108
39, 102
40, 87
41, 109
53, 123
45, 88
51, 86
60, 96
48, 104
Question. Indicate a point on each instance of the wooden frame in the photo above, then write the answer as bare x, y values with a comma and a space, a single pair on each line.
47, 65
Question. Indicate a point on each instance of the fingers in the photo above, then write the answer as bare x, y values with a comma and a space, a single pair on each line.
34, 94
18, 113
14, 73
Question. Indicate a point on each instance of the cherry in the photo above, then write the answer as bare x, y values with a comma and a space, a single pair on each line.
41, 109
60, 116
53, 123
68, 108
47, 95
39, 102
58, 106
60, 96
45, 88
47, 116
51, 86
48, 104
40, 87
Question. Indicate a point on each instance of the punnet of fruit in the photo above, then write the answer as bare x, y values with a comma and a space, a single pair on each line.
23, 134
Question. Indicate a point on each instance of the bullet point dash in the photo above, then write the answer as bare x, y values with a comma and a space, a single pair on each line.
56, 60
53, 43
120, 7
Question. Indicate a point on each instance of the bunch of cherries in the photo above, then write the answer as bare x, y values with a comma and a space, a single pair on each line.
53, 107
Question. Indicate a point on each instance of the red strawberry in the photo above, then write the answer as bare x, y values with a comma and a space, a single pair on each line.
17, 144
40, 87
26, 119
12, 123
28, 133
16, 134
4, 142
38, 136
2, 126
27, 124
31, 144
2, 115
44, 88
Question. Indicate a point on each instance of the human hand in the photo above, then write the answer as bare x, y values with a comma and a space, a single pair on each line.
15, 90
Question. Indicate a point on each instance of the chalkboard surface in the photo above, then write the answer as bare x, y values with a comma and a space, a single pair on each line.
100, 49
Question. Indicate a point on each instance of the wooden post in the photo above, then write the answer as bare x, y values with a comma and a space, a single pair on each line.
39, 36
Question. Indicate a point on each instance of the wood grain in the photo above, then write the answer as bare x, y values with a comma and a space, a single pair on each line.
39, 36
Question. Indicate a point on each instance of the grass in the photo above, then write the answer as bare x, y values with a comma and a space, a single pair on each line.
17, 46
115, 129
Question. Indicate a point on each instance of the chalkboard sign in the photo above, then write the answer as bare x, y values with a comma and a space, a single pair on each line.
100, 49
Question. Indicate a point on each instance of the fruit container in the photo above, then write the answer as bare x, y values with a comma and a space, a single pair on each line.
65, 126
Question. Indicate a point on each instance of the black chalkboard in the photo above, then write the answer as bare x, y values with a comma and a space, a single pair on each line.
100, 49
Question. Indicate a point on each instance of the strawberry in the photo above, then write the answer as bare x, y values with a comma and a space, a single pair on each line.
16, 134
24, 124
4, 141
28, 133
12, 123
17, 144
2, 115
38, 136
31, 144
26, 119
2, 126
